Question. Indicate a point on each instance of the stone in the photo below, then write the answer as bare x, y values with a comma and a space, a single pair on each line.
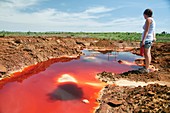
2, 68
77, 42
18, 41
115, 103
151, 93
130, 101
168, 92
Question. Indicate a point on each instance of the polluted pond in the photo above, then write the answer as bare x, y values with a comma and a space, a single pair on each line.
63, 85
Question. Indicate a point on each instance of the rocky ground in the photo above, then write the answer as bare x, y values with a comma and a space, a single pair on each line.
18, 52
151, 98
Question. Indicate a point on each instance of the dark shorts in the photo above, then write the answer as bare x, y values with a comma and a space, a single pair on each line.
147, 45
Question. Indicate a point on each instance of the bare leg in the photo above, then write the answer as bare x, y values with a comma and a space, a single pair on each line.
147, 55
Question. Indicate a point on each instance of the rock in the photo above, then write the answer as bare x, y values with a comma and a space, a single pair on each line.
168, 92
77, 42
87, 44
2, 68
58, 41
27, 49
136, 110
151, 93
130, 101
18, 41
40, 57
114, 103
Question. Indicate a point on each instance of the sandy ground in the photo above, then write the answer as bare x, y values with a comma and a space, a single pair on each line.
134, 91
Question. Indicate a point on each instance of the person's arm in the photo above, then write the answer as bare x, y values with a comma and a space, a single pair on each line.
147, 25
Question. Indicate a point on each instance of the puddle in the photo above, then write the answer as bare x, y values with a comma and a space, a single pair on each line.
66, 86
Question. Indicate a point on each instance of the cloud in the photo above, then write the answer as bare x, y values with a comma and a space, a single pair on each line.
11, 18
17, 4
98, 10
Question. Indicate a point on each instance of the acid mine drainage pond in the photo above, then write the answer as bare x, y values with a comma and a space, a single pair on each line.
66, 86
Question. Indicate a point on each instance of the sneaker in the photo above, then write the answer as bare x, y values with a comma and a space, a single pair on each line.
144, 70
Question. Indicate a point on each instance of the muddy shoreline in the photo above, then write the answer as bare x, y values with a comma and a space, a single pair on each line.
20, 52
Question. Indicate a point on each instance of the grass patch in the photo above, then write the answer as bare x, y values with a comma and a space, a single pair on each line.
162, 37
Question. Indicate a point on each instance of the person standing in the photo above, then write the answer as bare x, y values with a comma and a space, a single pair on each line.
148, 36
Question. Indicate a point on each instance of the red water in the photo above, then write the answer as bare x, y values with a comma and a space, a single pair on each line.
59, 85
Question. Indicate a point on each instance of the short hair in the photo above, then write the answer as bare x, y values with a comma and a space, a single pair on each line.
148, 12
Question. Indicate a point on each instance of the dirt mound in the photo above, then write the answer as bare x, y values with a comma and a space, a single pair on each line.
19, 52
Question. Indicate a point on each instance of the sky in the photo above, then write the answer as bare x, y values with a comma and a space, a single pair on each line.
82, 15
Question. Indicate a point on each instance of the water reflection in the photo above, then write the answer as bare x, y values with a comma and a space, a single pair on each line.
66, 91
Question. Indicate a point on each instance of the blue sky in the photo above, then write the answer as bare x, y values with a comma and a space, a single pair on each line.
82, 15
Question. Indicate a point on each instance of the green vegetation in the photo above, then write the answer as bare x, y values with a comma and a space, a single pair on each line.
161, 37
